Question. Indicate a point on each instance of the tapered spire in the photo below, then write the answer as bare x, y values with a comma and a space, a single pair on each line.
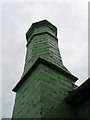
42, 42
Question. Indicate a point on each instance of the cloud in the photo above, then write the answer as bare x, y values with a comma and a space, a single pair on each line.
71, 21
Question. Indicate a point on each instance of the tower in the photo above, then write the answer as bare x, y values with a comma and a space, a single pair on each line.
45, 81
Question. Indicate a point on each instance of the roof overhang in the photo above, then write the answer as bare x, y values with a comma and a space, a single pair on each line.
47, 63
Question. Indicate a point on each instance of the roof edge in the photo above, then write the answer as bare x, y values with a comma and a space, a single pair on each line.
40, 23
47, 63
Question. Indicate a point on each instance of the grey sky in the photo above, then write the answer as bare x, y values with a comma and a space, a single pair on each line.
0, 58
71, 19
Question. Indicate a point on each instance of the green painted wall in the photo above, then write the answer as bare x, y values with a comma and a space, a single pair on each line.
27, 103
42, 94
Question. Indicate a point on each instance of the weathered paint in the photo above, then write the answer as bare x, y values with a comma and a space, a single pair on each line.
45, 86
42, 91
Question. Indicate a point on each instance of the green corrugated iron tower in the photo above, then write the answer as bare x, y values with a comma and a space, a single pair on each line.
45, 82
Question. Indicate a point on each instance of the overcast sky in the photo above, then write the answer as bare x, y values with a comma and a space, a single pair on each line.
70, 18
